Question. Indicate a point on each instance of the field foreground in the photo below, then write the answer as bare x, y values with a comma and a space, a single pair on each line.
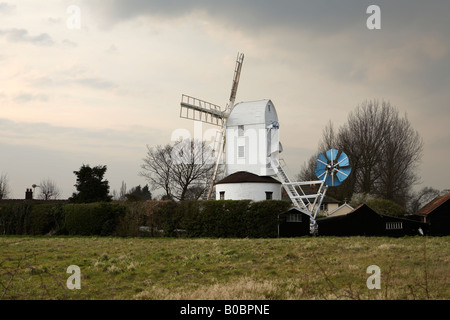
226, 269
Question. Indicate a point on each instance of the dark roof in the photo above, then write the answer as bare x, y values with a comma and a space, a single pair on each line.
432, 205
247, 177
362, 208
295, 210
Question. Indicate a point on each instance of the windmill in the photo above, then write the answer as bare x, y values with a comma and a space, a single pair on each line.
332, 166
200, 110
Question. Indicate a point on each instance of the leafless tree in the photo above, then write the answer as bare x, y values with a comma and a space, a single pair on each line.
383, 148
157, 168
49, 190
401, 155
183, 170
123, 191
4, 186
307, 172
422, 197
363, 138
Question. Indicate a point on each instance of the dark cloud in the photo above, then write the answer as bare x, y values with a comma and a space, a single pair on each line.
320, 16
317, 15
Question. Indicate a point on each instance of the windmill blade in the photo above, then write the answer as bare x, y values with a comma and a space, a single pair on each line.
343, 173
332, 154
236, 77
332, 180
322, 162
343, 160
320, 173
200, 110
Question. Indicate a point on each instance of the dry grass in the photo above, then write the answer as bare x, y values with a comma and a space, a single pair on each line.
230, 269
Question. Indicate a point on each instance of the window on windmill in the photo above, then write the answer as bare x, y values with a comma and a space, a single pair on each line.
241, 151
269, 195
222, 195
324, 207
240, 131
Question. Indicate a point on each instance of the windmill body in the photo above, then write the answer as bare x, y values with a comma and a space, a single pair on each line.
248, 146
251, 140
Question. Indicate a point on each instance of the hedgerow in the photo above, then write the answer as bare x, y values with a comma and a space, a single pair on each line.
220, 219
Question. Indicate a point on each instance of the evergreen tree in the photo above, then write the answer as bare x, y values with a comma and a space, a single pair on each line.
90, 185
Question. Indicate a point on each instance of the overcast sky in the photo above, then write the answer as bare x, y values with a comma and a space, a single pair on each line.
100, 93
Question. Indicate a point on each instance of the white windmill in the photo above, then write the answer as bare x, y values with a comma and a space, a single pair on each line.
250, 140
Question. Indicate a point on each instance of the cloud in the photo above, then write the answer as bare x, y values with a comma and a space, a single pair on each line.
106, 141
73, 78
29, 97
95, 83
324, 16
22, 35
69, 43
6, 8
320, 17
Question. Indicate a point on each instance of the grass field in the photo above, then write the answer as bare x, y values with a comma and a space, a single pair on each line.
173, 269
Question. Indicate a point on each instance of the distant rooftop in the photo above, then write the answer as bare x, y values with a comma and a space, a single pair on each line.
432, 205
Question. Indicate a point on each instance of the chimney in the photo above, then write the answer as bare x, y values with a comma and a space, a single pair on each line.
29, 194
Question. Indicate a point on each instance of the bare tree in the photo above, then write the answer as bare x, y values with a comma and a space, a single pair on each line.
49, 190
157, 168
307, 172
401, 154
421, 198
383, 148
363, 138
4, 186
183, 170
123, 191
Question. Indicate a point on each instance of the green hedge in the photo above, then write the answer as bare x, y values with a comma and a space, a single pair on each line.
33, 219
222, 219
13, 218
46, 219
93, 218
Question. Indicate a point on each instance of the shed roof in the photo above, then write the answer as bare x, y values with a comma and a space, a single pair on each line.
247, 177
336, 211
361, 209
433, 204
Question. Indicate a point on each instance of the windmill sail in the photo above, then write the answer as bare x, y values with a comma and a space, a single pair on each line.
234, 86
199, 110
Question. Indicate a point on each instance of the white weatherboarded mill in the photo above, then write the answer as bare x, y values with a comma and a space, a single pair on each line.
248, 142
251, 141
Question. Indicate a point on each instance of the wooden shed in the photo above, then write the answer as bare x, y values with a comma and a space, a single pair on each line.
436, 215
293, 223
363, 221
